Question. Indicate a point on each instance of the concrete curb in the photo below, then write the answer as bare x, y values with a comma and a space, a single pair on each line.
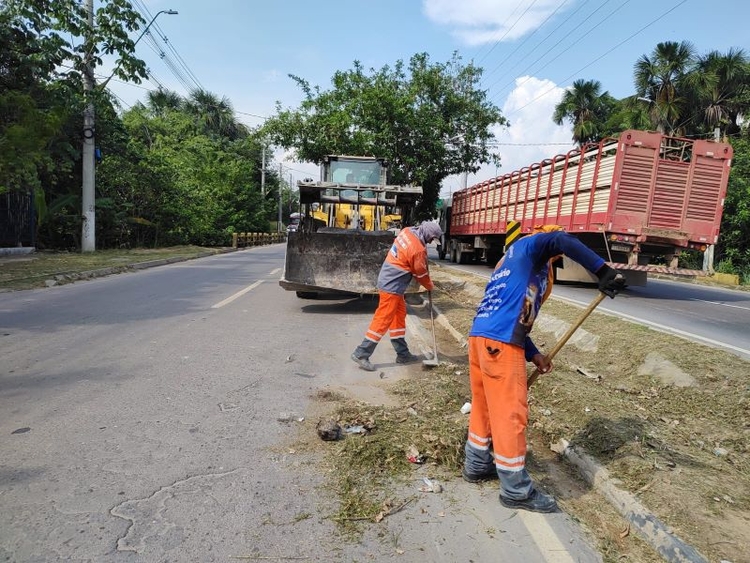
648, 527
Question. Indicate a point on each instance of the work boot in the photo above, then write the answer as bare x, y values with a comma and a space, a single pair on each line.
407, 358
536, 502
364, 363
479, 477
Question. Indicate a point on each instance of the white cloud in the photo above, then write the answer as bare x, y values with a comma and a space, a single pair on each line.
532, 135
476, 22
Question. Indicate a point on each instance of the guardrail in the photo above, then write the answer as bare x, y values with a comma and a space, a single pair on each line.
242, 240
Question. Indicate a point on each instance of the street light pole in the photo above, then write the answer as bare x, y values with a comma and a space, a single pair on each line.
88, 170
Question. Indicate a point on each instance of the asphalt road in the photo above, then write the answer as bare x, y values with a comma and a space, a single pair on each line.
140, 422
716, 316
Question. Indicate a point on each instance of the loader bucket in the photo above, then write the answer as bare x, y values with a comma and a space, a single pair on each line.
335, 260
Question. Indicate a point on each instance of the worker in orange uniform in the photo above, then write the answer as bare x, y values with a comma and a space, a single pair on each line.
406, 259
500, 346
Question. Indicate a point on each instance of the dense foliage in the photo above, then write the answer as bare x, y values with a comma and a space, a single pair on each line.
172, 171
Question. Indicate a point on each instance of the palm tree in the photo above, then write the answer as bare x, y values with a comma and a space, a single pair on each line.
161, 101
720, 87
586, 107
214, 116
660, 79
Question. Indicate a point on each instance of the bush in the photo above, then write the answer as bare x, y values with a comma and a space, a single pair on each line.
726, 266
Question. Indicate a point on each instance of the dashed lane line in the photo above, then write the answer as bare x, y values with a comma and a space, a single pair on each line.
237, 295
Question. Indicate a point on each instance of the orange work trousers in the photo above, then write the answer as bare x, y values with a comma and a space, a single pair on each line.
499, 407
390, 316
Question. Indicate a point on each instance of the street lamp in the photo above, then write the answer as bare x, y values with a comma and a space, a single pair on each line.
88, 187
103, 85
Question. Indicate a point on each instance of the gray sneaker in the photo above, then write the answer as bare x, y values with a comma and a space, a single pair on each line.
364, 363
536, 502
407, 358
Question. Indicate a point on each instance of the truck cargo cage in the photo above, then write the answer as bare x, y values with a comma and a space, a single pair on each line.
635, 199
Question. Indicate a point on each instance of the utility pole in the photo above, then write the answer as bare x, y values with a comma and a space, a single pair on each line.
263, 171
88, 229
280, 180
88, 169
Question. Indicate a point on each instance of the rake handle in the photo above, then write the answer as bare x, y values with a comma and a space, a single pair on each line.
565, 337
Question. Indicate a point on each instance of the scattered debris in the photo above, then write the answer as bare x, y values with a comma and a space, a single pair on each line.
431, 486
411, 411
227, 407
357, 429
720, 452
21, 430
466, 409
289, 358
289, 417
388, 509
328, 430
413, 455
593, 376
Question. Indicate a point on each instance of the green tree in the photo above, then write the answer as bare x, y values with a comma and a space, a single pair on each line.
734, 237
213, 115
429, 120
587, 108
719, 85
660, 78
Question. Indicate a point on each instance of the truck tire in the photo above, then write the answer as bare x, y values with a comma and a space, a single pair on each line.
441, 251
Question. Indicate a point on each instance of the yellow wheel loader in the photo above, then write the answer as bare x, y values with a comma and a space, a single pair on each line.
349, 220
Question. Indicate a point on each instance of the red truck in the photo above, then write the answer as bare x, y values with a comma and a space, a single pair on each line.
638, 201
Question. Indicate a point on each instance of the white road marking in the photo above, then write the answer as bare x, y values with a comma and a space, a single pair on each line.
274, 272
236, 295
662, 328
545, 538
722, 304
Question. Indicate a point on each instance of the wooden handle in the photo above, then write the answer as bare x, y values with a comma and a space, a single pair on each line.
565, 337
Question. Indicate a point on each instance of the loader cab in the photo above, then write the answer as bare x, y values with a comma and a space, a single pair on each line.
355, 170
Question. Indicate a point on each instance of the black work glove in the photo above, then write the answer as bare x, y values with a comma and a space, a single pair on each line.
611, 282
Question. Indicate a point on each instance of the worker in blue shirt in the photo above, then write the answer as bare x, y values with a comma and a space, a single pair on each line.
499, 347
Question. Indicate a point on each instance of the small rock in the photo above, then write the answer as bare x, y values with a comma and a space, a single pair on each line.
328, 430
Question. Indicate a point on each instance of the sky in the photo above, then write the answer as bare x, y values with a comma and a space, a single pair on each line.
530, 50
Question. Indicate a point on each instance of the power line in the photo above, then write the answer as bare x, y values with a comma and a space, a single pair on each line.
510, 28
550, 34
581, 38
556, 44
601, 56
178, 67
528, 37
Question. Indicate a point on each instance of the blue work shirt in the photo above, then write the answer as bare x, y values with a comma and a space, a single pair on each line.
518, 286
